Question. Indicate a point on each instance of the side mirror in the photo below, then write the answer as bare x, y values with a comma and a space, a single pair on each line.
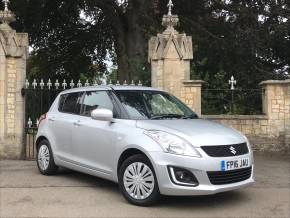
102, 115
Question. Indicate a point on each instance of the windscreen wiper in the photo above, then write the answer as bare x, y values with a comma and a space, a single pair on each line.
193, 116
166, 116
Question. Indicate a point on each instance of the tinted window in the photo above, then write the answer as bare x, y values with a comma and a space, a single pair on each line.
94, 100
71, 103
61, 101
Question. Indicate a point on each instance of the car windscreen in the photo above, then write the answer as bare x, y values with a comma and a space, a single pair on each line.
154, 105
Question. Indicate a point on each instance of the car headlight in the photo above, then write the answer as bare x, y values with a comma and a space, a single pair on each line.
248, 143
172, 144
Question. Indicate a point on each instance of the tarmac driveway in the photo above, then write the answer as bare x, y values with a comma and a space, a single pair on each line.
26, 193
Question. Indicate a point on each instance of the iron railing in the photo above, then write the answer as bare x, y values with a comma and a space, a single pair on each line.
225, 101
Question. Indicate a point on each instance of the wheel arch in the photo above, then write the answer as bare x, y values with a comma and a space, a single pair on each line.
128, 153
38, 140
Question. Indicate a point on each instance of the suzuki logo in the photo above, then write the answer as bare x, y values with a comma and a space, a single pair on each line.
233, 150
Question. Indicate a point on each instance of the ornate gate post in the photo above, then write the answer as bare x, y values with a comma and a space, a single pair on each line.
13, 55
170, 54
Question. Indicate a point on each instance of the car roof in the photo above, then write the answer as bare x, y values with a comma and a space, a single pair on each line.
104, 88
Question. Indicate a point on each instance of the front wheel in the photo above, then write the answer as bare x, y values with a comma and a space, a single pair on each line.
45, 161
138, 181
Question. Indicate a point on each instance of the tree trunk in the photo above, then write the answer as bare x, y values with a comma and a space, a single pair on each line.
136, 45
122, 59
130, 42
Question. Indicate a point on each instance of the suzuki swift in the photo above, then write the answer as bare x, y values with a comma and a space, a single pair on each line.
146, 140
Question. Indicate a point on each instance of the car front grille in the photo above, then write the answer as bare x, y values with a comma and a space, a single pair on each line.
226, 150
228, 177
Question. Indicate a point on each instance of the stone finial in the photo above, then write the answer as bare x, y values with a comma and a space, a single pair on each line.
169, 22
6, 16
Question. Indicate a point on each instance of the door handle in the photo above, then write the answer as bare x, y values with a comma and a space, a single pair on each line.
51, 119
77, 124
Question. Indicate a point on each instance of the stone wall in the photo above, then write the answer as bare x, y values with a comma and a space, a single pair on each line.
191, 94
269, 132
13, 55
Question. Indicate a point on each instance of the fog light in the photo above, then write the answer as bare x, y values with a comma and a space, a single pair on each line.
181, 176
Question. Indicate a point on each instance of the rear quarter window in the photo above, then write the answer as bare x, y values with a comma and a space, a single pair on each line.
61, 102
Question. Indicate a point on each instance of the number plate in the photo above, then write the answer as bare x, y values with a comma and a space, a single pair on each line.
235, 164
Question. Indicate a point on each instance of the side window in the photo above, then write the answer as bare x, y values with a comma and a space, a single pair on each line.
61, 102
71, 103
94, 100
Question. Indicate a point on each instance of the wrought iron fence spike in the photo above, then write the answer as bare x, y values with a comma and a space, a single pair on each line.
95, 83
49, 84
110, 83
64, 84
29, 123
41, 84
79, 84
232, 83
133, 83
27, 84
118, 83
72, 84
125, 83
56, 84
140, 83
87, 83
34, 84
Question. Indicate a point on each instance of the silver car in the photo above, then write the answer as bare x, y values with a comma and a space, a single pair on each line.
144, 139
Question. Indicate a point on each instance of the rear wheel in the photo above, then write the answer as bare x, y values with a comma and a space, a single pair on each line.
138, 181
45, 161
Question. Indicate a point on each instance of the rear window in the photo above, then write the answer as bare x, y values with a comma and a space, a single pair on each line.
70, 103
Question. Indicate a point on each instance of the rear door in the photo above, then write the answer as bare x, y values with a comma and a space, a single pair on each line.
61, 124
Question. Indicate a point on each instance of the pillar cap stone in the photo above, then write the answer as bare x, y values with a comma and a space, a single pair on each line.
274, 82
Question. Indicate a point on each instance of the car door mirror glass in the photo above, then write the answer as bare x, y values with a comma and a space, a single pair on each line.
102, 115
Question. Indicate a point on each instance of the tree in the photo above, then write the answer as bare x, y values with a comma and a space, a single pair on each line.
247, 38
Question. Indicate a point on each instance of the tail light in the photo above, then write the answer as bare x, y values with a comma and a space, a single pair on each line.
43, 117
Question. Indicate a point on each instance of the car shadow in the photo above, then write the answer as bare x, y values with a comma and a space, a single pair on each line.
232, 197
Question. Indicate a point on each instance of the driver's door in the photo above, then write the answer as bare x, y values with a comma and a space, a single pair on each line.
94, 140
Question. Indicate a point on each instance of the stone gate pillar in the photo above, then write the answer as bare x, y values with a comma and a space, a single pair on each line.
170, 54
276, 105
13, 55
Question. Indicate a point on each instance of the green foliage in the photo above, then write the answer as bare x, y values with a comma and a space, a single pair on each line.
249, 39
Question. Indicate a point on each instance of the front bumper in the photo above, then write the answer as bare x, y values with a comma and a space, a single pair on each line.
199, 167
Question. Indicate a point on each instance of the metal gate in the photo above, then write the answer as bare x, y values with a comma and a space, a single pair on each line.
39, 95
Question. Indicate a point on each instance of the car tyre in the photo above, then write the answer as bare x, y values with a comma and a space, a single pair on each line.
44, 159
138, 182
